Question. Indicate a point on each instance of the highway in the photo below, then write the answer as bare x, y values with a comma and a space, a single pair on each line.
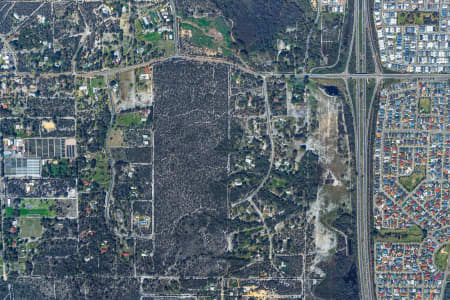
361, 139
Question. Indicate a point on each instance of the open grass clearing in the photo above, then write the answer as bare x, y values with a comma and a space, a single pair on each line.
410, 182
101, 173
224, 30
15, 212
199, 39
277, 183
115, 138
30, 227
96, 82
338, 196
411, 235
34, 203
417, 18
210, 33
202, 22
126, 80
131, 119
167, 45
425, 105
152, 36
441, 258
29, 206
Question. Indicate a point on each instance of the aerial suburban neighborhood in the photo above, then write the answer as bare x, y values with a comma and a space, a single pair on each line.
411, 189
413, 35
206, 149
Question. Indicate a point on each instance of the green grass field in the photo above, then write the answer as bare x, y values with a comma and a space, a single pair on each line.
139, 29
167, 45
100, 174
202, 22
410, 182
30, 227
35, 207
441, 258
98, 82
129, 120
412, 235
37, 203
277, 183
198, 38
226, 52
417, 18
202, 26
11, 212
153, 36
425, 105
222, 27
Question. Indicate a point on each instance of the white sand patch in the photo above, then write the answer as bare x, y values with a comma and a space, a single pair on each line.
323, 140
328, 174
49, 126
325, 240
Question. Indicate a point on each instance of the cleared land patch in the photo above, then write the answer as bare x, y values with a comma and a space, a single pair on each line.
417, 18
441, 258
410, 182
411, 235
425, 105
30, 227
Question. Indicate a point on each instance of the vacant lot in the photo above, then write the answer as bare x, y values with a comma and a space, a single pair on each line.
30, 227
410, 182
425, 105
190, 120
442, 258
418, 18
49, 107
411, 235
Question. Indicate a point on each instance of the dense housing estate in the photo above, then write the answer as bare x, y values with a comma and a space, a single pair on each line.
411, 188
413, 36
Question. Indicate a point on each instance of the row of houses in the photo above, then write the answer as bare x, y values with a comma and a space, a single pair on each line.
406, 271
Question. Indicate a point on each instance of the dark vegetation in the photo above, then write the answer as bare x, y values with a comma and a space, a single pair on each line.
49, 107
412, 235
257, 24
331, 90
447, 291
134, 155
61, 169
188, 169
42, 187
342, 279
418, 18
